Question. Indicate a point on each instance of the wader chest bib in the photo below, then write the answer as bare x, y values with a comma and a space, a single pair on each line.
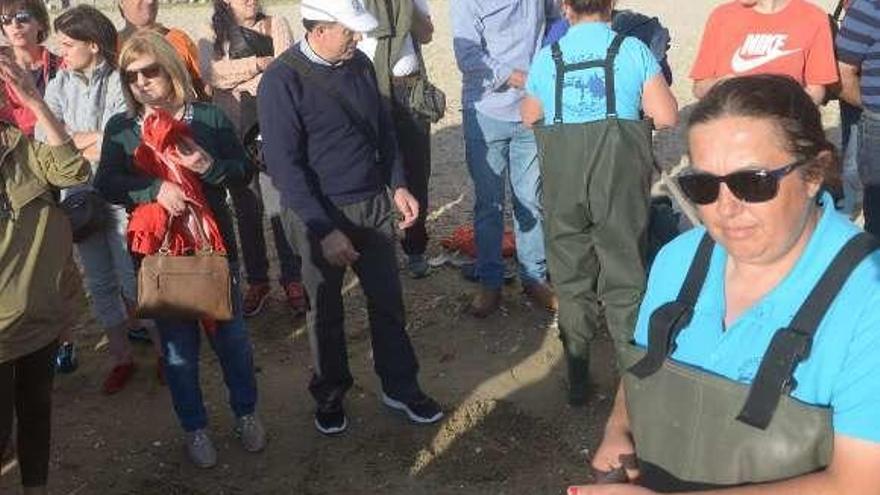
695, 430
596, 191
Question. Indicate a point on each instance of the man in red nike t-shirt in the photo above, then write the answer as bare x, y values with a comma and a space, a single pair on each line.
790, 37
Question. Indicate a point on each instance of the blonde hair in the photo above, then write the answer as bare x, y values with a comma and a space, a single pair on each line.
154, 44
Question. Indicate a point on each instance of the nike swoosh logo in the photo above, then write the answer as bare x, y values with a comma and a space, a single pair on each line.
740, 64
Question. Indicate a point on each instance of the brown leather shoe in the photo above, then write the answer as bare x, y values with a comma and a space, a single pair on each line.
485, 302
543, 295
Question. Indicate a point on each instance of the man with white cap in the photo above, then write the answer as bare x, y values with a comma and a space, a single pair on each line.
330, 148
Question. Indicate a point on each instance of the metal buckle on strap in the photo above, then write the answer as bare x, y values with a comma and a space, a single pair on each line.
775, 376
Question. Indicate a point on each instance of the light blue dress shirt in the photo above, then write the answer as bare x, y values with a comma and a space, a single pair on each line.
492, 38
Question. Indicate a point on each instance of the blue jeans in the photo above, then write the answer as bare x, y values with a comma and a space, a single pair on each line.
495, 148
231, 344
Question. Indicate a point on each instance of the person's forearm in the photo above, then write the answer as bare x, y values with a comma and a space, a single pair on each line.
228, 73
822, 483
703, 86
86, 140
816, 92
619, 419
850, 90
56, 134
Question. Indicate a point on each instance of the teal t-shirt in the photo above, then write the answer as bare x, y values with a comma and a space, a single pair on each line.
843, 369
583, 94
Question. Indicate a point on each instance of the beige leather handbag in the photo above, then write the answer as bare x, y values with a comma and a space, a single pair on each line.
191, 287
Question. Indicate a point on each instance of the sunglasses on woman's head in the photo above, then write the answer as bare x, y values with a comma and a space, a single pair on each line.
20, 17
751, 186
151, 71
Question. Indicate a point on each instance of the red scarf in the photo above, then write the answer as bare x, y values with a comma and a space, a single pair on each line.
158, 156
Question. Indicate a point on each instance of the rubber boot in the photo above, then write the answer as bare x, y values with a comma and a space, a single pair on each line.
578, 380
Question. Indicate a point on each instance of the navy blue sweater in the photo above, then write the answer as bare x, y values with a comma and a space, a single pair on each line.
317, 157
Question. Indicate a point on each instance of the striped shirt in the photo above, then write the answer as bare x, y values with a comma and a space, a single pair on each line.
858, 44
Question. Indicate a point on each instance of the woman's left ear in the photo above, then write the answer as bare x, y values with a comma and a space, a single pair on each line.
94, 48
826, 159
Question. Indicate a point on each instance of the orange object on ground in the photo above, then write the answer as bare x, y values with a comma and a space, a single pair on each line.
464, 241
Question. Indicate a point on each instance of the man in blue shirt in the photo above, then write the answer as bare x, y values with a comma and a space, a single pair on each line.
330, 149
494, 42
858, 54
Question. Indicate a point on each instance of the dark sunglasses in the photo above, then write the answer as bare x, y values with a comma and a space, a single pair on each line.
20, 17
151, 71
751, 186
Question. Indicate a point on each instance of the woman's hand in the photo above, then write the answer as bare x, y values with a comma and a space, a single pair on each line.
21, 82
172, 198
263, 63
615, 452
193, 156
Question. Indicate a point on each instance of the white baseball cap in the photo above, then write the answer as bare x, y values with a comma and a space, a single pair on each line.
349, 13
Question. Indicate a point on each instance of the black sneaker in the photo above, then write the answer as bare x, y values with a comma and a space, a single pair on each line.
330, 419
424, 410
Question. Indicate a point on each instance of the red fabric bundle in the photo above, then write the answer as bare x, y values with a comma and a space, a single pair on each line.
158, 156
464, 241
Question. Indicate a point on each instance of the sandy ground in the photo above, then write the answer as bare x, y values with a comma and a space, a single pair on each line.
508, 430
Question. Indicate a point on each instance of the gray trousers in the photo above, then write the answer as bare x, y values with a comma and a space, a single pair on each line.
369, 225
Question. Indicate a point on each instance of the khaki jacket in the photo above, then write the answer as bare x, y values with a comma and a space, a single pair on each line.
37, 276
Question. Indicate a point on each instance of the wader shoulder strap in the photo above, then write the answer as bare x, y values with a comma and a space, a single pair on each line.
608, 64
791, 345
668, 320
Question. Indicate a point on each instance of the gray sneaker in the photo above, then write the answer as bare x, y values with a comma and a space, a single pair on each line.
251, 432
201, 449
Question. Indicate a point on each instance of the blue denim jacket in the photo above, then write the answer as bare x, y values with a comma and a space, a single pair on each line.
492, 38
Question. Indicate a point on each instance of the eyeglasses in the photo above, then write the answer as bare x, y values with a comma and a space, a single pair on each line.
151, 71
751, 186
20, 17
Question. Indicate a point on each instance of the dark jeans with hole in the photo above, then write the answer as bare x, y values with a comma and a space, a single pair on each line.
26, 394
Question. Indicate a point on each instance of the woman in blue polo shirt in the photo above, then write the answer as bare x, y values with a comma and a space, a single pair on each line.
755, 365
595, 156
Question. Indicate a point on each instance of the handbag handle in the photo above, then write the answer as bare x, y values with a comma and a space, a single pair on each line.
206, 248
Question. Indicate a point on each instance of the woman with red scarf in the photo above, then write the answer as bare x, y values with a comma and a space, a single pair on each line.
168, 157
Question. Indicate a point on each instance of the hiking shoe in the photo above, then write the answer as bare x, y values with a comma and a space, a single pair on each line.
65, 358
139, 335
118, 378
200, 449
254, 298
418, 266
330, 419
485, 302
250, 431
543, 295
424, 410
296, 298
